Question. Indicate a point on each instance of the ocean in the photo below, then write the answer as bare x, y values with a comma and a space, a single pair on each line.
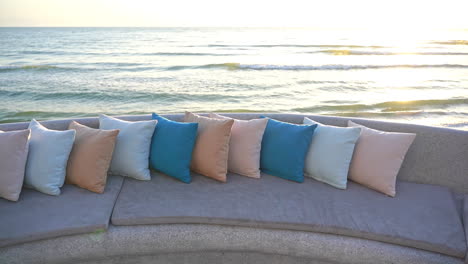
49, 73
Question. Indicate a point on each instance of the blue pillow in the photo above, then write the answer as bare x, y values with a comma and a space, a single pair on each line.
172, 147
284, 149
330, 153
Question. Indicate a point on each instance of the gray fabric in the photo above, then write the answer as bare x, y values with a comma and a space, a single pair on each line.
40, 216
465, 222
420, 216
437, 155
185, 240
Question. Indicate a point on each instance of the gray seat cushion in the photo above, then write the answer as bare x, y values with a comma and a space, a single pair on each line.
420, 216
39, 216
465, 221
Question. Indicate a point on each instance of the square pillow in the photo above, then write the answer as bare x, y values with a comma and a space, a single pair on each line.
90, 157
132, 148
377, 158
210, 154
330, 153
284, 149
47, 158
172, 147
245, 145
13, 156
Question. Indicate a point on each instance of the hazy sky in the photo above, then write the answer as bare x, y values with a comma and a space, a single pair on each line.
391, 14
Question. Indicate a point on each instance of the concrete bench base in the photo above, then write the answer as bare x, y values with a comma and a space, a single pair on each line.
188, 243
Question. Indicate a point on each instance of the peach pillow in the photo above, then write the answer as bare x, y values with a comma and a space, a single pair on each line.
210, 154
90, 157
377, 158
245, 145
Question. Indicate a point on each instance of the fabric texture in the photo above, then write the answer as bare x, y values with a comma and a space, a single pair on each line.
330, 153
210, 154
13, 156
90, 157
172, 147
421, 216
132, 148
47, 158
38, 216
284, 149
377, 158
245, 145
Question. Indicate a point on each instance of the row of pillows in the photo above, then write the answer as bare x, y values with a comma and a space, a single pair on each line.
209, 146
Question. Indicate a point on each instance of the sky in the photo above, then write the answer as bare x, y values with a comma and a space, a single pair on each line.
377, 14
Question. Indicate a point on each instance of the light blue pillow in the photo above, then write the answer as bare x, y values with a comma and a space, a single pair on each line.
47, 158
284, 148
132, 147
330, 153
172, 147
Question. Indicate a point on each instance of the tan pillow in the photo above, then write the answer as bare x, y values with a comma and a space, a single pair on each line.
14, 148
245, 145
210, 154
90, 157
377, 158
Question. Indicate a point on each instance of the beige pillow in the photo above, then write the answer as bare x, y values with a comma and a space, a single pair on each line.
377, 158
90, 157
14, 148
245, 145
210, 154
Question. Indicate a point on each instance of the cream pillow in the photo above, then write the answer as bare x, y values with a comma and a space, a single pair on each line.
245, 145
377, 158
210, 154
90, 157
13, 156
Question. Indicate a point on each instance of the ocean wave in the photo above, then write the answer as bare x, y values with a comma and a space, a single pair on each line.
293, 46
87, 53
117, 96
31, 67
386, 107
238, 66
452, 42
24, 116
341, 52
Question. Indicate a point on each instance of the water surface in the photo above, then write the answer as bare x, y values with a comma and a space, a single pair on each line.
48, 73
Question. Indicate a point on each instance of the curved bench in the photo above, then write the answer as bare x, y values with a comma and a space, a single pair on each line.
267, 220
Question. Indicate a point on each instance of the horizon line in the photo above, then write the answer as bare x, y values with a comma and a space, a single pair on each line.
228, 27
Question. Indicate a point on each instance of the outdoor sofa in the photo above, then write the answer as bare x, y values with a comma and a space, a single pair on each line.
266, 220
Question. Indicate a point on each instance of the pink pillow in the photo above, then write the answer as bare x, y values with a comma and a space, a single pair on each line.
210, 154
14, 146
377, 158
245, 145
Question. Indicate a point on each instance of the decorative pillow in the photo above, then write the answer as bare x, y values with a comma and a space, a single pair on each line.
47, 158
330, 153
284, 149
13, 156
90, 157
377, 158
172, 147
210, 155
132, 148
245, 145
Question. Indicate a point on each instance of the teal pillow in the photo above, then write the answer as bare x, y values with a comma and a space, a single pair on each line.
330, 153
172, 147
284, 148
